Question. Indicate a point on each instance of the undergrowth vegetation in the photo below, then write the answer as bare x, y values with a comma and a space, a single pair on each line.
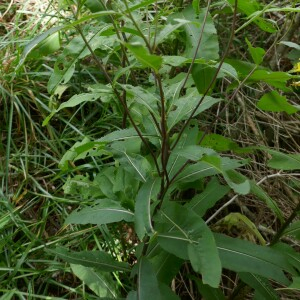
149, 149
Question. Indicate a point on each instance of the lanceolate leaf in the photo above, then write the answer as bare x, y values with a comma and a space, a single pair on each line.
65, 64
166, 266
74, 101
147, 193
132, 295
251, 7
263, 196
37, 41
95, 259
143, 97
205, 259
105, 211
147, 282
283, 161
204, 169
167, 29
260, 284
118, 135
193, 152
292, 255
185, 105
240, 187
293, 230
135, 164
189, 236
102, 284
213, 192
209, 48
207, 291
243, 256
260, 193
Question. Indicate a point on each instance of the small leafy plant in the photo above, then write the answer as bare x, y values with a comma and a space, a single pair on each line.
158, 178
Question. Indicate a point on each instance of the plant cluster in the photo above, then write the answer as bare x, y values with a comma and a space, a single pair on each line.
151, 176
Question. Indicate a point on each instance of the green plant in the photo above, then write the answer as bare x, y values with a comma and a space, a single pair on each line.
158, 177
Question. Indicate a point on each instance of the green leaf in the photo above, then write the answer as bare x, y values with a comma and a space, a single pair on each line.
252, 7
193, 152
135, 164
273, 101
209, 47
83, 186
174, 242
218, 142
188, 138
94, 259
290, 44
102, 284
203, 75
76, 49
166, 266
143, 216
242, 256
166, 292
37, 41
295, 284
203, 169
167, 29
8, 295
184, 234
262, 195
205, 259
104, 211
119, 135
240, 187
46, 47
142, 55
243, 224
291, 254
275, 79
196, 171
293, 230
143, 97
283, 161
71, 154
208, 292
147, 282
260, 285
132, 295
74, 101
256, 53
186, 104
213, 192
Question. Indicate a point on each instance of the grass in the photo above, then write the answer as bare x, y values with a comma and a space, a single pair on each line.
33, 206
